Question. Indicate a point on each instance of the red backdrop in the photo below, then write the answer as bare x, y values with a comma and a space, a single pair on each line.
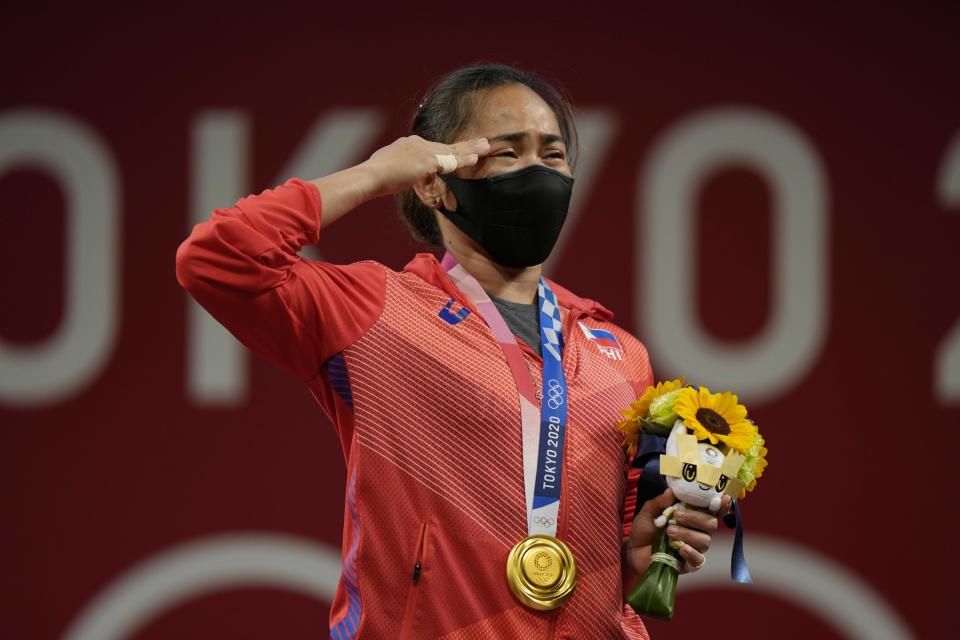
154, 484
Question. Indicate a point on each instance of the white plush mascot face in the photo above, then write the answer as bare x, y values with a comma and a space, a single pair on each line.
690, 488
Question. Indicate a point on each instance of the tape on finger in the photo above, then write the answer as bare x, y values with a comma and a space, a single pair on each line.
447, 163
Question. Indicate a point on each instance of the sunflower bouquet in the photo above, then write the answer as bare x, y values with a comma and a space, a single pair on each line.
701, 445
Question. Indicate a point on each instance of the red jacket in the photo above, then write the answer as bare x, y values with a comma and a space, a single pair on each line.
429, 420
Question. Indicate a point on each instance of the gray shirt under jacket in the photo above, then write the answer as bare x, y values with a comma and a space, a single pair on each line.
523, 320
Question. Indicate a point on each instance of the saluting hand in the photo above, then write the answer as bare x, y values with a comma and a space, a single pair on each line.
392, 169
406, 160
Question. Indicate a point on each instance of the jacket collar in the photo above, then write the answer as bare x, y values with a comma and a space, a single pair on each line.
427, 267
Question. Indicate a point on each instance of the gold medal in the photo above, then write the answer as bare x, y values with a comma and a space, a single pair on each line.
541, 572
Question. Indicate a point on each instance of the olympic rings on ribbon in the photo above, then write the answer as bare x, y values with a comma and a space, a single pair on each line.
554, 394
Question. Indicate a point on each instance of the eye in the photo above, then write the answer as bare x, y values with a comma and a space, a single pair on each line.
508, 153
689, 472
722, 482
556, 155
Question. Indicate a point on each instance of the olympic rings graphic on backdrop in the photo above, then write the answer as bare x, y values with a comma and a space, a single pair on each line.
543, 521
555, 394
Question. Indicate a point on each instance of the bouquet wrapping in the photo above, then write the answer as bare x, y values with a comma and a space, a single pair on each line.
654, 595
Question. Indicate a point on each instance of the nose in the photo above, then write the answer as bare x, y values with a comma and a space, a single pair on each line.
531, 158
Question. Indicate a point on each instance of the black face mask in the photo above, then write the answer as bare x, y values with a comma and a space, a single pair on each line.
517, 216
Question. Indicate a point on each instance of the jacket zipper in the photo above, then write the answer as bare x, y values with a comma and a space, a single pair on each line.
416, 574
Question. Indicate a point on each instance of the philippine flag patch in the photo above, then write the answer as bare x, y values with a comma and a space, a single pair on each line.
606, 342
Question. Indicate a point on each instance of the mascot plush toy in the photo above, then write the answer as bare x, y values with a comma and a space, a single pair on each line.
698, 472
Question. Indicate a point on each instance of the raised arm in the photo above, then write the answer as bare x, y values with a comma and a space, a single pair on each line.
242, 265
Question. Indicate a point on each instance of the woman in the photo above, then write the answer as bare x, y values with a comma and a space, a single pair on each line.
477, 505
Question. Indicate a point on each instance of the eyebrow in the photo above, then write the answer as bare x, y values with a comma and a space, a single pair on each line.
545, 138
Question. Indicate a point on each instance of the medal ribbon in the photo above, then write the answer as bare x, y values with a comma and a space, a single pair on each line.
543, 430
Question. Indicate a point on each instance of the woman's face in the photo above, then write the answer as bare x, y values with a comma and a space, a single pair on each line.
522, 130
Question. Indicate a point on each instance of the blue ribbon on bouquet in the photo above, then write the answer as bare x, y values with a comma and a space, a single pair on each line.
738, 562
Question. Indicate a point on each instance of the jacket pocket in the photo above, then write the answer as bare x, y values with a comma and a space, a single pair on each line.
416, 576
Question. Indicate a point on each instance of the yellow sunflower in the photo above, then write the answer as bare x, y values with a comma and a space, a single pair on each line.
630, 425
717, 417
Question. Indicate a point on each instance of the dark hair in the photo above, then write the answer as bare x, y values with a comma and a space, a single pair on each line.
447, 108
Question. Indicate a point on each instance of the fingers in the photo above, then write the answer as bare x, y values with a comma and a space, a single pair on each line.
693, 519
643, 529
478, 147
650, 510
460, 155
692, 559
696, 539
446, 163
469, 152
469, 160
655, 506
692, 529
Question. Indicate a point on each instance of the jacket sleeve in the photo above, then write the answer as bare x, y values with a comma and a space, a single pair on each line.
242, 265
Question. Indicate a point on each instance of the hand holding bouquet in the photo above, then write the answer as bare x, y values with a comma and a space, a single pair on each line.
711, 448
